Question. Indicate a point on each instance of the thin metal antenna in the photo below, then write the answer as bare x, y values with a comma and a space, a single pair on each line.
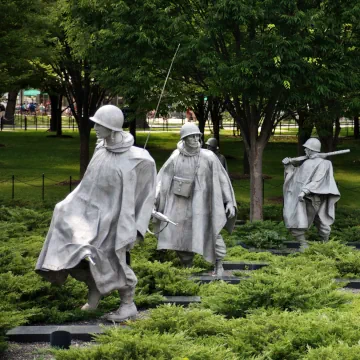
162, 92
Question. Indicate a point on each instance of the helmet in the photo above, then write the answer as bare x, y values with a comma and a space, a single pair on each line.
212, 142
189, 129
109, 116
313, 144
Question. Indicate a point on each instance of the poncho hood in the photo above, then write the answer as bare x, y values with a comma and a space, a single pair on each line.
180, 146
124, 145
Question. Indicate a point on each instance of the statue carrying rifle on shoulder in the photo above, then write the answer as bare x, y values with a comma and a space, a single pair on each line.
310, 192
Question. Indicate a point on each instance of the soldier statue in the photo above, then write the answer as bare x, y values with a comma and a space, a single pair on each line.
194, 190
96, 224
212, 145
310, 193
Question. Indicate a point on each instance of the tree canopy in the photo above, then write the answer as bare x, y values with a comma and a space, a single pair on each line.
262, 60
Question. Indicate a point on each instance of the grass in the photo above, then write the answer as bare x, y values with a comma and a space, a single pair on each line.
28, 155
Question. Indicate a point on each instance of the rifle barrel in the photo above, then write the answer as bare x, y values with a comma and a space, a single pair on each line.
339, 152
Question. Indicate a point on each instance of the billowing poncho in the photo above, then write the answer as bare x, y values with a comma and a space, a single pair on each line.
201, 217
104, 215
314, 177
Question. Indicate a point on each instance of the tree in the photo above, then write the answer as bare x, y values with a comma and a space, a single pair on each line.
261, 57
74, 77
22, 31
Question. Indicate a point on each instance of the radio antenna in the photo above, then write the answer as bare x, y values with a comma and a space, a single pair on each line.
161, 94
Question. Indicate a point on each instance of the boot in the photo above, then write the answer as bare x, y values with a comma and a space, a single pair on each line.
186, 258
324, 238
94, 297
127, 309
82, 273
218, 268
303, 243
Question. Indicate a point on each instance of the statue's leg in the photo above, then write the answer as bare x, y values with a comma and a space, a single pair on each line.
82, 273
127, 308
323, 229
299, 235
220, 251
186, 258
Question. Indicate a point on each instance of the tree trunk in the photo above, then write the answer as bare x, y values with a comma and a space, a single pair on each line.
256, 182
59, 118
246, 164
55, 120
201, 115
10, 107
215, 109
248, 116
305, 129
141, 122
132, 127
337, 133
356, 127
84, 150
327, 137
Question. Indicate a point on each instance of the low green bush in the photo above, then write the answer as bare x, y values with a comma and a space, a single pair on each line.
300, 283
286, 284
238, 253
119, 344
172, 332
336, 351
346, 218
261, 234
279, 335
350, 234
265, 239
164, 278
10, 318
195, 321
345, 259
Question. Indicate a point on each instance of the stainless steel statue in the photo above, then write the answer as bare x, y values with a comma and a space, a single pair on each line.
96, 224
310, 192
194, 190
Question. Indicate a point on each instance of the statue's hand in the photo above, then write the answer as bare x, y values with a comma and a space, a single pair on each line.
301, 196
286, 161
230, 210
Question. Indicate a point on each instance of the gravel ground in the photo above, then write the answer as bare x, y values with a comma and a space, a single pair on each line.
35, 351
42, 350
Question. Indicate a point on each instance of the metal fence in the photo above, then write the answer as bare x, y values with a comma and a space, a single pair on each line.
43, 182
25, 121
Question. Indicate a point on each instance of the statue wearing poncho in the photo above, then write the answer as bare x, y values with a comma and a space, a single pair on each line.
101, 219
202, 215
310, 193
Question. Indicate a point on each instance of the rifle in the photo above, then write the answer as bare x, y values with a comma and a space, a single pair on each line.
162, 217
324, 155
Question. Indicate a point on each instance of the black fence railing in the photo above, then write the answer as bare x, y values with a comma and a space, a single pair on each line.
43, 182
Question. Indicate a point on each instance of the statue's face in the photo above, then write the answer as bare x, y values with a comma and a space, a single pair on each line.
192, 141
309, 152
101, 131
209, 147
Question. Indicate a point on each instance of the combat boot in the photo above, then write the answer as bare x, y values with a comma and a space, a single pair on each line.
218, 268
127, 309
303, 243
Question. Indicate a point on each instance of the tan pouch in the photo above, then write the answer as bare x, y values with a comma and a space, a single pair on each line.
182, 186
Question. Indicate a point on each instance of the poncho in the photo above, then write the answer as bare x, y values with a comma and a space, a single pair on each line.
104, 215
200, 217
314, 177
